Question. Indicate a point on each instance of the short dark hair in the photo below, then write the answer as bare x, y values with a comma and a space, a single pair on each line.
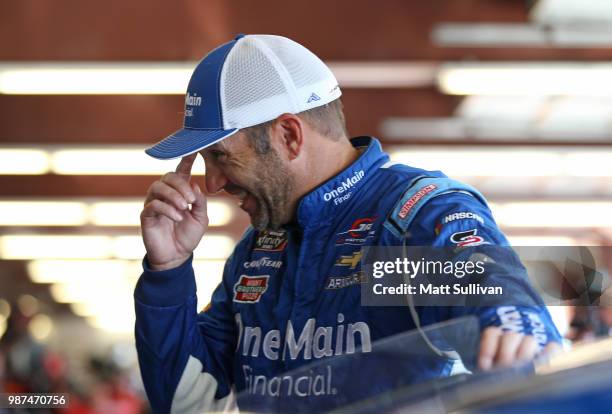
327, 120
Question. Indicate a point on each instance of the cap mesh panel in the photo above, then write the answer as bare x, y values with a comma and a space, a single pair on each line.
250, 77
297, 60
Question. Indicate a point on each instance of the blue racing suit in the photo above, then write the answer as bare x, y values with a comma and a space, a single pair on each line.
291, 297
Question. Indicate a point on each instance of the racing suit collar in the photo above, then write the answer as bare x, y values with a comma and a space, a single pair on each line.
325, 201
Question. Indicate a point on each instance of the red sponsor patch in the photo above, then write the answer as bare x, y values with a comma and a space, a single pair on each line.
412, 201
249, 289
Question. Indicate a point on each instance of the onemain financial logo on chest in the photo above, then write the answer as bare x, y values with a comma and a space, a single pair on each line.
311, 342
342, 192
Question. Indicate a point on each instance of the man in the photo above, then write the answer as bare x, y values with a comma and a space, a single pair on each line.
265, 113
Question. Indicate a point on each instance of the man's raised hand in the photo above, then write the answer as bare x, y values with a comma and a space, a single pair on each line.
170, 229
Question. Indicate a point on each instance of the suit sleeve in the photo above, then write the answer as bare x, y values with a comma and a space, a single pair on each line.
185, 357
462, 223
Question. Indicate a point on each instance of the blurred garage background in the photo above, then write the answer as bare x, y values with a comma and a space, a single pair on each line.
514, 97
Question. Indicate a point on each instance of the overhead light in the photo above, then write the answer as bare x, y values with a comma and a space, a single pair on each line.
42, 213
113, 161
5, 309
520, 109
456, 128
513, 117
40, 327
509, 161
84, 310
541, 240
92, 291
488, 35
118, 323
77, 78
127, 213
75, 271
83, 160
128, 247
483, 162
33, 246
219, 213
423, 128
28, 305
87, 284
500, 129
555, 214
510, 35
95, 78
23, 161
552, 12
581, 36
589, 164
208, 275
212, 246
515, 78
116, 213
23, 247
384, 74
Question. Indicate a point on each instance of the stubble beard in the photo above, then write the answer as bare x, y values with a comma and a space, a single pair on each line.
273, 192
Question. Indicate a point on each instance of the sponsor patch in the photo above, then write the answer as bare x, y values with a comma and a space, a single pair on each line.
340, 282
462, 215
249, 289
412, 201
263, 262
350, 260
271, 241
467, 238
358, 233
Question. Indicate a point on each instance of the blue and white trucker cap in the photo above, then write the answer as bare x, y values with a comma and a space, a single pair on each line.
245, 82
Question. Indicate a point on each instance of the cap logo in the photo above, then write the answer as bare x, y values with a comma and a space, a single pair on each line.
193, 100
313, 97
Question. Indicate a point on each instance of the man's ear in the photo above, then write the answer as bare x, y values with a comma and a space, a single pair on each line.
288, 129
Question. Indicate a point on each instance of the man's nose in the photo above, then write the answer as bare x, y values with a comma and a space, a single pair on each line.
215, 179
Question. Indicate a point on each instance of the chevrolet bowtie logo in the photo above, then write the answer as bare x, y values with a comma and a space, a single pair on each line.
352, 260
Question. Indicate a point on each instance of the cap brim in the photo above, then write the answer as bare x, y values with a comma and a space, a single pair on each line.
187, 141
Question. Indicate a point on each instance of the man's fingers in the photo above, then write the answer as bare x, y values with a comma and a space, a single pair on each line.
155, 208
198, 208
527, 349
488, 347
184, 167
180, 184
508, 347
552, 349
162, 191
